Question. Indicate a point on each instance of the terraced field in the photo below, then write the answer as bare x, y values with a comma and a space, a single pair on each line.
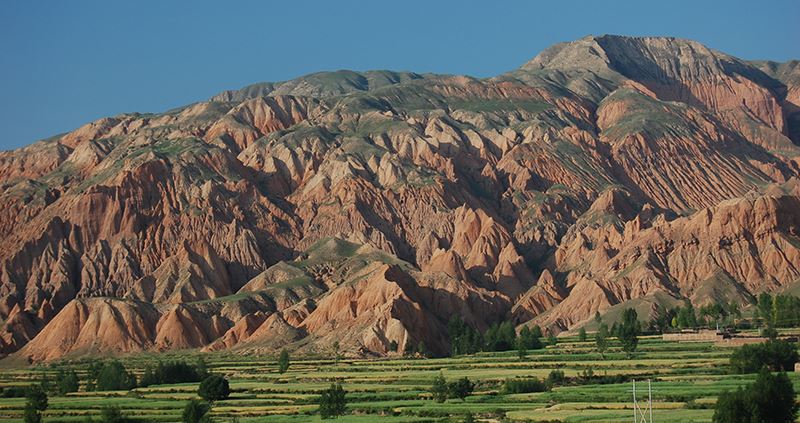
686, 378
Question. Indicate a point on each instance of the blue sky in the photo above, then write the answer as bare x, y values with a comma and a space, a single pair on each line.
65, 63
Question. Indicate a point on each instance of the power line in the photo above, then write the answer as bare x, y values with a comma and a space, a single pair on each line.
643, 414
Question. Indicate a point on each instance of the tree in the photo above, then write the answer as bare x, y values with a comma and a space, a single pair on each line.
31, 416
764, 309
464, 339
422, 349
460, 389
113, 376
521, 350
67, 381
601, 339
336, 352
662, 320
35, 403
333, 402
769, 399
214, 388
283, 361
628, 331
775, 355
732, 407
773, 397
597, 318
769, 333
468, 418
500, 337
148, 378
202, 369
393, 346
529, 339
439, 388
685, 316
551, 338
195, 411
409, 348
582, 335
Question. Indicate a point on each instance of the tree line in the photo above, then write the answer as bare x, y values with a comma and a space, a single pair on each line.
500, 336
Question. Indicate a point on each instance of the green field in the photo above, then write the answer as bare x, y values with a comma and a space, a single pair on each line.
686, 378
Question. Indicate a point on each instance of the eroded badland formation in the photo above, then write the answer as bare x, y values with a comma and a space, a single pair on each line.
371, 207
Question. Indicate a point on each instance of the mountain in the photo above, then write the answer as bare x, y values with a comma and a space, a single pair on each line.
369, 208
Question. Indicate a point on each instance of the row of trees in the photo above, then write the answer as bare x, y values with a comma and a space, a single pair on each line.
779, 311
113, 376
465, 339
775, 355
688, 317
442, 389
627, 332
771, 310
174, 372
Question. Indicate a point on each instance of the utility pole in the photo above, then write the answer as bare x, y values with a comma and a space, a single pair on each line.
643, 414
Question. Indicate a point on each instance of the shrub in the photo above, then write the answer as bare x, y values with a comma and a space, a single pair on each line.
31, 416
174, 372
333, 402
195, 411
112, 414
14, 392
460, 389
523, 386
214, 388
283, 361
777, 355
555, 378
439, 388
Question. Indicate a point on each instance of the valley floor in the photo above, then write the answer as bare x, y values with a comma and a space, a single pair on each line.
686, 379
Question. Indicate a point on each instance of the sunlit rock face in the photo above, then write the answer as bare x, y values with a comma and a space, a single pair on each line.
369, 208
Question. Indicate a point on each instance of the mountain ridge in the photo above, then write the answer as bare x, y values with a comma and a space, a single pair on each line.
370, 207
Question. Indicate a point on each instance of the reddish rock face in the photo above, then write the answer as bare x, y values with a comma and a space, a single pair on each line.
369, 208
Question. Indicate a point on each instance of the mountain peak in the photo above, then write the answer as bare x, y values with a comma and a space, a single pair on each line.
656, 58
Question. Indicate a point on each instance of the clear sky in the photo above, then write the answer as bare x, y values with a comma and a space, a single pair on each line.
65, 63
